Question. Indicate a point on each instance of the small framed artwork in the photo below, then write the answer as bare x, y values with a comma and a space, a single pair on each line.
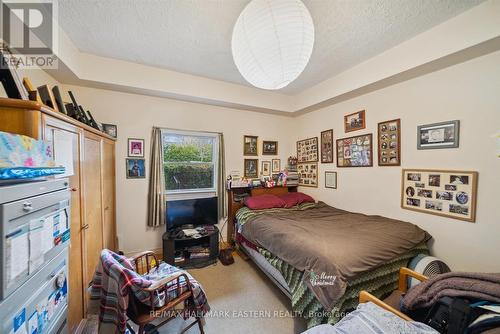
136, 148
444, 193
251, 168
250, 145
308, 174
307, 150
327, 146
266, 168
389, 143
355, 151
276, 165
47, 97
438, 135
355, 121
110, 130
331, 180
269, 147
136, 168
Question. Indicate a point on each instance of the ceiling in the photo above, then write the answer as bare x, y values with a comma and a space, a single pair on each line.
194, 36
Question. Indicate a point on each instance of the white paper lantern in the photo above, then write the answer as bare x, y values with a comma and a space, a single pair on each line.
272, 42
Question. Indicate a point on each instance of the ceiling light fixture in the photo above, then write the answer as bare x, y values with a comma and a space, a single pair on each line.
272, 42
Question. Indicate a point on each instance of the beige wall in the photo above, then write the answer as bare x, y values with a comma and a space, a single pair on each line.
469, 92
135, 115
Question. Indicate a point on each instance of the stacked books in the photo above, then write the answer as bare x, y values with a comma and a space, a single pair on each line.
198, 252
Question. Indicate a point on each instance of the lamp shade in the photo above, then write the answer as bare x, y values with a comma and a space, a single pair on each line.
272, 42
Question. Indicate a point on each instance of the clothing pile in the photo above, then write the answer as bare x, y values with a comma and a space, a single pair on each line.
115, 278
456, 302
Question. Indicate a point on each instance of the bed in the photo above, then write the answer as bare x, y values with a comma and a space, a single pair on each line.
270, 236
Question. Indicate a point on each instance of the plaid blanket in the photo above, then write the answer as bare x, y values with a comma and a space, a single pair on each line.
115, 277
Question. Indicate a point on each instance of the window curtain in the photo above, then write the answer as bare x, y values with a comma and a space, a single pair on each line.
156, 197
221, 181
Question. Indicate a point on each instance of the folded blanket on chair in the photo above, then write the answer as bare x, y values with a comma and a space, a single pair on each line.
115, 277
478, 286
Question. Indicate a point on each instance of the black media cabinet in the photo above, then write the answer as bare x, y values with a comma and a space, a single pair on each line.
183, 247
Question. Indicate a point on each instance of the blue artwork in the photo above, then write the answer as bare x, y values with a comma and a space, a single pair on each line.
136, 168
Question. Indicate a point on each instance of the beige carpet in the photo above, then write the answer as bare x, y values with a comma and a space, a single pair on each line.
242, 291
237, 294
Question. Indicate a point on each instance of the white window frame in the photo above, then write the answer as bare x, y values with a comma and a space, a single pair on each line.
178, 194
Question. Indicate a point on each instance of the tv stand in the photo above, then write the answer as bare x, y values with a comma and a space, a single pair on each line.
188, 252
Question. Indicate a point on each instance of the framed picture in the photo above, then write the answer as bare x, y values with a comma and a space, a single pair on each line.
31, 90
331, 180
355, 121
276, 165
10, 79
269, 147
440, 192
266, 168
136, 147
355, 151
308, 174
327, 146
250, 145
47, 97
251, 168
389, 143
136, 168
307, 150
438, 135
110, 130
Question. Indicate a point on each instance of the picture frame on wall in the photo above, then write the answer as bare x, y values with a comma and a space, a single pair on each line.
307, 150
47, 97
389, 143
276, 165
331, 180
110, 129
135, 147
355, 121
308, 174
266, 168
446, 193
135, 168
250, 145
251, 168
438, 135
269, 147
327, 146
355, 151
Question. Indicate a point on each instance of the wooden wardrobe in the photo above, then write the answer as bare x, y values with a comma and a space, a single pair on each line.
92, 188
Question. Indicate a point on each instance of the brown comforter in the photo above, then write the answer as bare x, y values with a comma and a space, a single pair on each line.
332, 246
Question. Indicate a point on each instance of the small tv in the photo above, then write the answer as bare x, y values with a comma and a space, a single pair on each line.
199, 211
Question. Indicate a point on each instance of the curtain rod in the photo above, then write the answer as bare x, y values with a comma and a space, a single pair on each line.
162, 128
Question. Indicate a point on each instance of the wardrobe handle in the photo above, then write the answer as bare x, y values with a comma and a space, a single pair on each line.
86, 226
74, 189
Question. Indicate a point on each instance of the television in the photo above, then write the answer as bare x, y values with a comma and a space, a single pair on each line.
199, 211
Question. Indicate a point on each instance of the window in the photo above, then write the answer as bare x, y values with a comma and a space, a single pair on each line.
189, 161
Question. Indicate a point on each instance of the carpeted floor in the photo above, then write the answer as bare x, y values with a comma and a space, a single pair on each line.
243, 300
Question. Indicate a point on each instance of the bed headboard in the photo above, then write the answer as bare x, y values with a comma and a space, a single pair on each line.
233, 206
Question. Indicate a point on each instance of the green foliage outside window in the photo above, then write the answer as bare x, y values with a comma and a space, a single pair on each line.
188, 164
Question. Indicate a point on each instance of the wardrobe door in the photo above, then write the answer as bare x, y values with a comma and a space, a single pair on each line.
92, 208
108, 194
60, 133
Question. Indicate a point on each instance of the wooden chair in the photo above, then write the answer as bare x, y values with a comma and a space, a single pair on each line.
142, 314
391, 303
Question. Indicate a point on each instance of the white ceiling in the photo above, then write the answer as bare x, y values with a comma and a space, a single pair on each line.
194, 36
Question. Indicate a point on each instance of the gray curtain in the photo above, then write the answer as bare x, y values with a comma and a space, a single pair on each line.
156, 197
221, 181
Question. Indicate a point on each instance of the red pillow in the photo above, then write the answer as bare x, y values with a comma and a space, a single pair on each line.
264, 202
293, 199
